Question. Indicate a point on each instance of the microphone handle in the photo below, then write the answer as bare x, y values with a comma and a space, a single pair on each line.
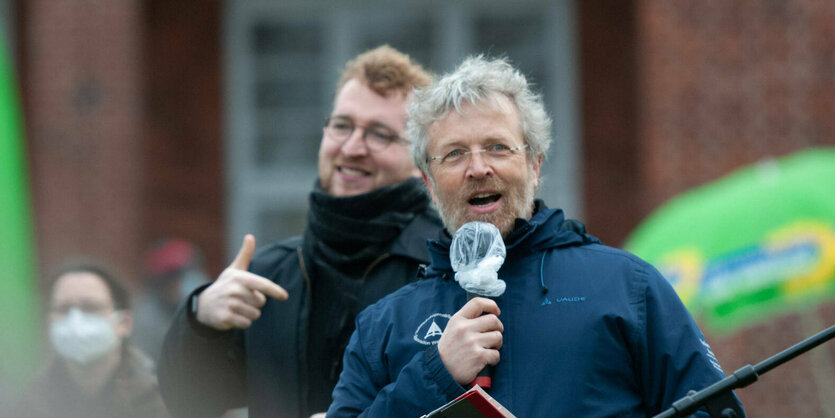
484, 378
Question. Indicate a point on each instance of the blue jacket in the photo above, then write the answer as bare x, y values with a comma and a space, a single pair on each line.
609, 336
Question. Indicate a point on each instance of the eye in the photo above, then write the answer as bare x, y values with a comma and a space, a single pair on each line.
61, 309
341, 126
92, 308
381, 135
497, 148
454, 155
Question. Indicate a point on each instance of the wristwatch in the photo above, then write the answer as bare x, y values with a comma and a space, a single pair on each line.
192, 304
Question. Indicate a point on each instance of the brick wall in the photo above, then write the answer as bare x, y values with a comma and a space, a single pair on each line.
727, 83
676, 94
700, 89
614, 197
183, 181
122, 104
81, 99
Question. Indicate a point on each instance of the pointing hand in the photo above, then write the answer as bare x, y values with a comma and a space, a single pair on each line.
235, 298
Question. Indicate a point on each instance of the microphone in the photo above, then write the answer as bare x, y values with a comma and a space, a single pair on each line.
476, 254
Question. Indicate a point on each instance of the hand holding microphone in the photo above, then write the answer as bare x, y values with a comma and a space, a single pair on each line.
472, 339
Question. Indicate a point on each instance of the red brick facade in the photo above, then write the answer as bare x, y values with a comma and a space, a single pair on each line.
122, 104
724, 84
184, 181
82, 101
677, 94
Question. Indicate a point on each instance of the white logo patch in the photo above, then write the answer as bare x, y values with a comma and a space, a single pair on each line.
431, 329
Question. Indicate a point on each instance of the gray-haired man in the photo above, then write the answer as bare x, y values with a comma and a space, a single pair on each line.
581, 330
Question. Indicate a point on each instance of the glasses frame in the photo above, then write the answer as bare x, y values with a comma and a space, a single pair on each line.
394, 137
468, 153
86, 307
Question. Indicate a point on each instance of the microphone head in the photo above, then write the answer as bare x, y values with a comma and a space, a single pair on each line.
476, 254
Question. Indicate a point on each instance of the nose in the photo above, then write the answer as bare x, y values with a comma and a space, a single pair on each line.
355, 146
477, 166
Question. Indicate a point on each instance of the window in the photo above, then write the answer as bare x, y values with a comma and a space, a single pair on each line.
283, 60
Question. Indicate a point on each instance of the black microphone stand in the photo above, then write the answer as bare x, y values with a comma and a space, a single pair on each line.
717, 397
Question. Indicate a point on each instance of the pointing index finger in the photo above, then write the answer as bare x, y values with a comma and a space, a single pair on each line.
262, 284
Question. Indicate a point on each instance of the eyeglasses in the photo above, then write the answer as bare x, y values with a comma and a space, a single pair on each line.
87, 307
377, 137
460, 157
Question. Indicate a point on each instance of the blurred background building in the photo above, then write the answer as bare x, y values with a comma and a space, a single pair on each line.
202, 119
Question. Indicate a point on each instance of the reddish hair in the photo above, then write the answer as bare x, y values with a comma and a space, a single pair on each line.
385, 70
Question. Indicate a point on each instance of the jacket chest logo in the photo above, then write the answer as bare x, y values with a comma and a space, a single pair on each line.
562, 299
430, 330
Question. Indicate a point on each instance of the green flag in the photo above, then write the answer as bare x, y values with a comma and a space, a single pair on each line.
19, 313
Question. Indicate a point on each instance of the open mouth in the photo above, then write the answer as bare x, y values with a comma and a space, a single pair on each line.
352, 171
484, 199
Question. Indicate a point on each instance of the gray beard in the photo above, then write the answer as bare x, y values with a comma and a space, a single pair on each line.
518, 204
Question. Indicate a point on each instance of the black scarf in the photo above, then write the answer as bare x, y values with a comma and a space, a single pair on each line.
344, 236
348, 233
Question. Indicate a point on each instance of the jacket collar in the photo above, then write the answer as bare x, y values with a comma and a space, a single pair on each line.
546, 229
412, 241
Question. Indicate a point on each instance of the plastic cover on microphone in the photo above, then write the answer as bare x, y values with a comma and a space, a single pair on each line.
476, 254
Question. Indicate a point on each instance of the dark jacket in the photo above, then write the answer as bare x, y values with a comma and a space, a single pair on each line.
203, 372
132, 392
589, 330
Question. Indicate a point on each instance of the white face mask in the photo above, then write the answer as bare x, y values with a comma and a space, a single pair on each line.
82, 337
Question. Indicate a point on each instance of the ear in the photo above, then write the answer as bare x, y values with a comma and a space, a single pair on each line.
536, 165
429, 186
124, 324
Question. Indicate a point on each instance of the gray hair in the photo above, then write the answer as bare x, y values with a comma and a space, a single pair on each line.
477, 80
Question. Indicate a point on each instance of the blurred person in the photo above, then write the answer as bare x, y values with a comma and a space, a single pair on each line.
95, 371
172, 269
271, 338
581, 329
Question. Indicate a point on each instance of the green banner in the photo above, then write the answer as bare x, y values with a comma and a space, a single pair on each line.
19, 312
753, 245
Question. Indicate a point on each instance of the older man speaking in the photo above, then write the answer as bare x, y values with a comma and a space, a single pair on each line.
581, 330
